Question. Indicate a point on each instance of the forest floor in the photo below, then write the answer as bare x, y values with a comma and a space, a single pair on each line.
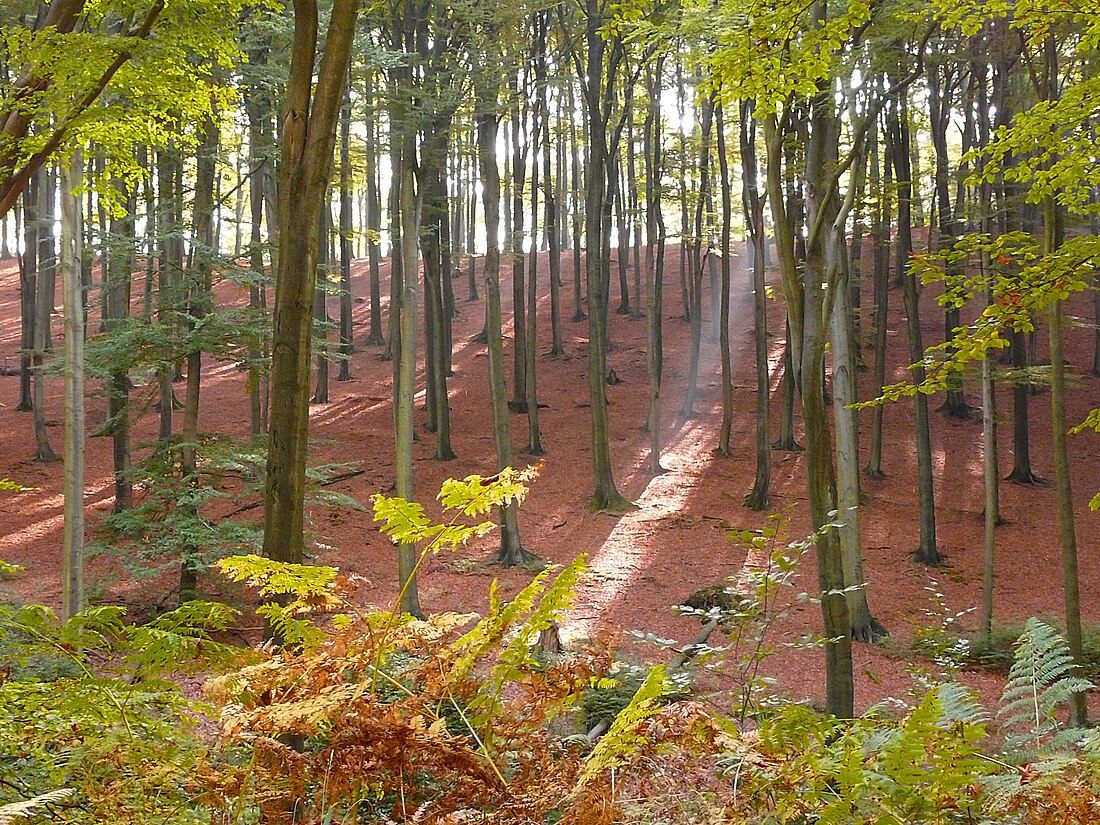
643, 562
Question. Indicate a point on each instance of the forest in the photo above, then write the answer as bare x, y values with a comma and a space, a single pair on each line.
658, 411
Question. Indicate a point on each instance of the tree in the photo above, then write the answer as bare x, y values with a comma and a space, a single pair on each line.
308, 141
72, 567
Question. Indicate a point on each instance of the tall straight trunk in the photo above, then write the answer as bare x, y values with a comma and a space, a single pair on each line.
927, 551
321, 324
28, 279
258, 108
1067, 530
471, 222
634, 205
654, 261
807, 304
72, 302
199, 305
880, 233
347, 346
43, 311
622, 232
119, 269
864, 627
1053, 237
375, 337
723, 315
433, 233
393, 208
308, 140
520, 141
598, 90
169, 274
405, 356
685, 215
950, 227
511, 551
531, 399
575, 184
149, 201
990, 469
698, 256
753, 207
551, 187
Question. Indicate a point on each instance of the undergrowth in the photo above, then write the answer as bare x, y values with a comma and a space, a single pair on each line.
374, 717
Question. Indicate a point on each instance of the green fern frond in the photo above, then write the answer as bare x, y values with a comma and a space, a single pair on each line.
959, 704
279, 578
622, 737
1042, 678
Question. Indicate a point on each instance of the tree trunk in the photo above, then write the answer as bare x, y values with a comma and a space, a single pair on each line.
753, 207
511, 551
199, 305
698, 257
927, 552
72, 557
654, 262
308, 140
880, 232
598, 92
347, 346
43, 311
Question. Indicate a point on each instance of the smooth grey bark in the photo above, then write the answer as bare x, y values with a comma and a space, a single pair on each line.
44, 288
307, 144
511, 551
654, 261
347, 345
72, 303
753, 208
698, 256
927, 551
880, 234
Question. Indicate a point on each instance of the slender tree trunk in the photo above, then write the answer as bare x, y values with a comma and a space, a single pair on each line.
347, 346
321, 324
723, 315
654, 262
698, 257
551, 188
375, 337
881, 234
927, 552
598, 92
753, 207
72, 558
511, 551
28, 279
405, 355
43, 311
199, 305
519, 136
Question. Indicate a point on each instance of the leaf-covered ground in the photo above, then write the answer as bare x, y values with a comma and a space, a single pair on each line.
642, 562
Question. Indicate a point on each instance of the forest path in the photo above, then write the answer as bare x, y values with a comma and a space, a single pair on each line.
629, 561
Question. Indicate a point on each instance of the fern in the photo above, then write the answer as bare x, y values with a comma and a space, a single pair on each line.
623, 737
1041, 679
29, 807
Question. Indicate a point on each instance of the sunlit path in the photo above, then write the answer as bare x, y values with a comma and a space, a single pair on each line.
632, 543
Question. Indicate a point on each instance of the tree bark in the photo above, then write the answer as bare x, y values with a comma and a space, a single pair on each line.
308, 140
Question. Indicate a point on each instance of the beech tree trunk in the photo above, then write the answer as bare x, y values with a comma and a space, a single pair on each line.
72, 557
308, 140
